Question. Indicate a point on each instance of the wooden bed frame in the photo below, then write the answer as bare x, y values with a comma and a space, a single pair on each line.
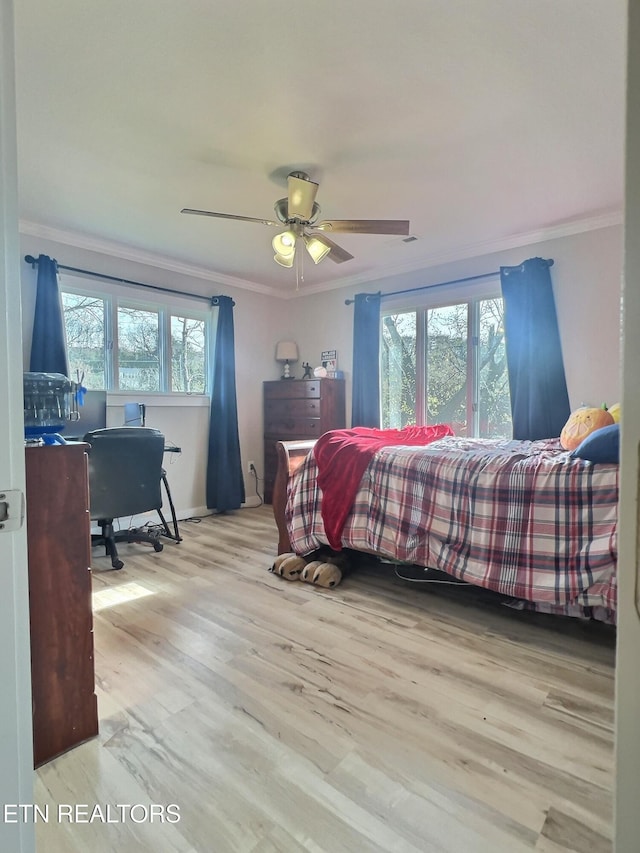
291, 455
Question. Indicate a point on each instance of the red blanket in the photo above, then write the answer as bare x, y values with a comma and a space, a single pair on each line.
342, 456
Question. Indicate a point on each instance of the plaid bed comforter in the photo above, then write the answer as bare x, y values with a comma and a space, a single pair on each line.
519, 517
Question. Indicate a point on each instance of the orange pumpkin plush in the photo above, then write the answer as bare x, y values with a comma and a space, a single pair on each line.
582, 423
615, 412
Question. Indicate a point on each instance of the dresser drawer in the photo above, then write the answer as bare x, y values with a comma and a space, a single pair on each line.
293, 408
291, 388
283, 427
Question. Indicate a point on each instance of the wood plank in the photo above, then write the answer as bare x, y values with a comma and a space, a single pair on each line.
375, 716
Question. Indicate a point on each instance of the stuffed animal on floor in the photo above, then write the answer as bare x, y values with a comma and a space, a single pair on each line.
321, 574
306, 575
318, 572
288, 566
342, 559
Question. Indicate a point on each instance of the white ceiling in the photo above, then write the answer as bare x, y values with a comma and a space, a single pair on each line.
477, 120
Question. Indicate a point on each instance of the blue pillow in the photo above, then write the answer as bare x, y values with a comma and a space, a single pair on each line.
603, 445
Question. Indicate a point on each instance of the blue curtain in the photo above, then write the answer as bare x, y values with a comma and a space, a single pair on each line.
48, 343
365, 399
539, 398
225, 484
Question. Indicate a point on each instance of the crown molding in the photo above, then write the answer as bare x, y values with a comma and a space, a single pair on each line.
129, 253
604, 219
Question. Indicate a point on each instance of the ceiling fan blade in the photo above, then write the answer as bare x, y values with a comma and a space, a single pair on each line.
365, 226
337, 254
302, 194
230, 216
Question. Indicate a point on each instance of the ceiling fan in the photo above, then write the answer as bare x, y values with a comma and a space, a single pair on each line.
299, 212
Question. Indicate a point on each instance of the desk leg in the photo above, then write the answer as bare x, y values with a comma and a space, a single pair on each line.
176, 533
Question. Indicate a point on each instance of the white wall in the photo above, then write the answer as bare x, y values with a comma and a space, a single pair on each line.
184, 423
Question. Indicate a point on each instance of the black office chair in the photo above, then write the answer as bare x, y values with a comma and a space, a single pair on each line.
125, 472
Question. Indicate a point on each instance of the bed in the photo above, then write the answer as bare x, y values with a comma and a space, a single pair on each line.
522, 518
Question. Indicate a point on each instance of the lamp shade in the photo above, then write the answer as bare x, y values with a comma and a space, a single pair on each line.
286, 351
316, 248
285, 244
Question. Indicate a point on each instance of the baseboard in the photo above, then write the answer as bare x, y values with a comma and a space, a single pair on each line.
152, 517
252, 502
181, 514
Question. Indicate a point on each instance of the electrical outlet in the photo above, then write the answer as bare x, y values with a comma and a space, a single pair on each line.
251, 466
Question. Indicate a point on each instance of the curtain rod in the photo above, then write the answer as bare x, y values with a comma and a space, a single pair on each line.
212, 300
439, 284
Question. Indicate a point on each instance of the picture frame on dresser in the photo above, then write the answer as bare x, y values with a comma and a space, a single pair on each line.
296, 410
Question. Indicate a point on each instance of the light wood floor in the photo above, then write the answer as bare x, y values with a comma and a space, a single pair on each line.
378, 716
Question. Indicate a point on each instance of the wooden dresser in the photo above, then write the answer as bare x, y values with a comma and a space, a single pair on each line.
59, 553
297, 409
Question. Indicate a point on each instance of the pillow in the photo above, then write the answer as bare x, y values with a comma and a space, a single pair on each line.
603, 445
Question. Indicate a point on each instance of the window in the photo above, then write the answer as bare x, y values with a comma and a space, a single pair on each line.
138, 349
446, 363
187, 355
399, 369
84, 318
121, 345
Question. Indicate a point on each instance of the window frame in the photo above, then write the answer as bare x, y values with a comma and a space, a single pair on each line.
442, 296
115, 296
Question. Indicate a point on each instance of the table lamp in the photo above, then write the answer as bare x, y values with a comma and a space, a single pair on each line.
286, 352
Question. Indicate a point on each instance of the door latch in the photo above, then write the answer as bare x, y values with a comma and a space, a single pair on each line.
11, 510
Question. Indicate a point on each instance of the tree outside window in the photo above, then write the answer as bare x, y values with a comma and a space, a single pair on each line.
398, 370
446, 368
493, 378
447, 364
187, 355
156, 350
138, 349
84, 318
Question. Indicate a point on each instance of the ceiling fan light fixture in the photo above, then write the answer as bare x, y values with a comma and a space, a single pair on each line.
316, 248
285, 243
284, 260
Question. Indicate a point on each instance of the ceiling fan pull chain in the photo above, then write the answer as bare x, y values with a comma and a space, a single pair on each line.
299, 269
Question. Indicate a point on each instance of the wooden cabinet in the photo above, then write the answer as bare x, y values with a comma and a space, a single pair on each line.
59, 553
297, 409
